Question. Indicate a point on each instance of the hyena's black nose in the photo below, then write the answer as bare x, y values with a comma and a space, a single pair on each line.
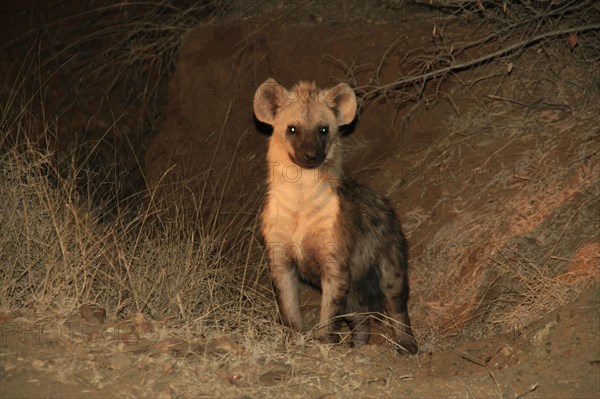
310, 156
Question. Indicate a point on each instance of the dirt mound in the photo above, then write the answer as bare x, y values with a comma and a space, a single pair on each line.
210, 132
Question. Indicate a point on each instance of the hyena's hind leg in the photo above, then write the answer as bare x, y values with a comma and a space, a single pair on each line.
358, 321
395, 291
360, 329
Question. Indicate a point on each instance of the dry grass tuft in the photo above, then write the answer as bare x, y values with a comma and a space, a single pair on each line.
520, 188
58, 250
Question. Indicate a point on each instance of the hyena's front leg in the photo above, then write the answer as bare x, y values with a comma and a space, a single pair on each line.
334, 292
286, 283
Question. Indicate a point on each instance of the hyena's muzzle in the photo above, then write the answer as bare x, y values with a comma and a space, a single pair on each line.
309, 146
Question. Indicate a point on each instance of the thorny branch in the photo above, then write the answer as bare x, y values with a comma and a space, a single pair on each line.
527, 27
369, 92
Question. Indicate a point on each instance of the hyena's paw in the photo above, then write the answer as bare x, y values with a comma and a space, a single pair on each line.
407, 346
357, 342
327, 337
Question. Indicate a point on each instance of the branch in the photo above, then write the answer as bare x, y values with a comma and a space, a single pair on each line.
468, 64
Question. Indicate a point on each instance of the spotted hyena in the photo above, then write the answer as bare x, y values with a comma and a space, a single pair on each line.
324, 228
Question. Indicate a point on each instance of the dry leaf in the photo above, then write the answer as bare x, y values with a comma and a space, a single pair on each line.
550, 115
142, 325
273, 377
509, 67
225, 345
572, 40
480, 6
168, 344
5, 316
235, 379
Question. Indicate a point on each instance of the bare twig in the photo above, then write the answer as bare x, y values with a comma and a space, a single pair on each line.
537, 104
369, 91
529, 390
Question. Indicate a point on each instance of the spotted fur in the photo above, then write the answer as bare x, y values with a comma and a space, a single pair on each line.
323, 228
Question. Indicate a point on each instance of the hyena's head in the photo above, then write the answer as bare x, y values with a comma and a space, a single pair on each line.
305, 119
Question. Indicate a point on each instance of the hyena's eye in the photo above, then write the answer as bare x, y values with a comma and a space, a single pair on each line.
323, 130
293, 130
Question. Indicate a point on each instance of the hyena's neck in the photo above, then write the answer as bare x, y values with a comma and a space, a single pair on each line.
300, 202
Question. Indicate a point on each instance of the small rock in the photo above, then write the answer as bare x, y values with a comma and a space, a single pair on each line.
507, 350
130, 338
539, 337
92, 314
37, 364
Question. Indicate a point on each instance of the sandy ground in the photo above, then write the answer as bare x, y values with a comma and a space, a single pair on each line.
556, 357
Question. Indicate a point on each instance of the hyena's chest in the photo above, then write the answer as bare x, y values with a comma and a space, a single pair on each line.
302, 226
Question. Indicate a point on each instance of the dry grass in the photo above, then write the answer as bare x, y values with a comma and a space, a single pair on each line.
60, 251
57, 255
520, 188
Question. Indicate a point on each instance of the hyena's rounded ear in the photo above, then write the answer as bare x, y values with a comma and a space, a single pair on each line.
269, 97
342, 100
